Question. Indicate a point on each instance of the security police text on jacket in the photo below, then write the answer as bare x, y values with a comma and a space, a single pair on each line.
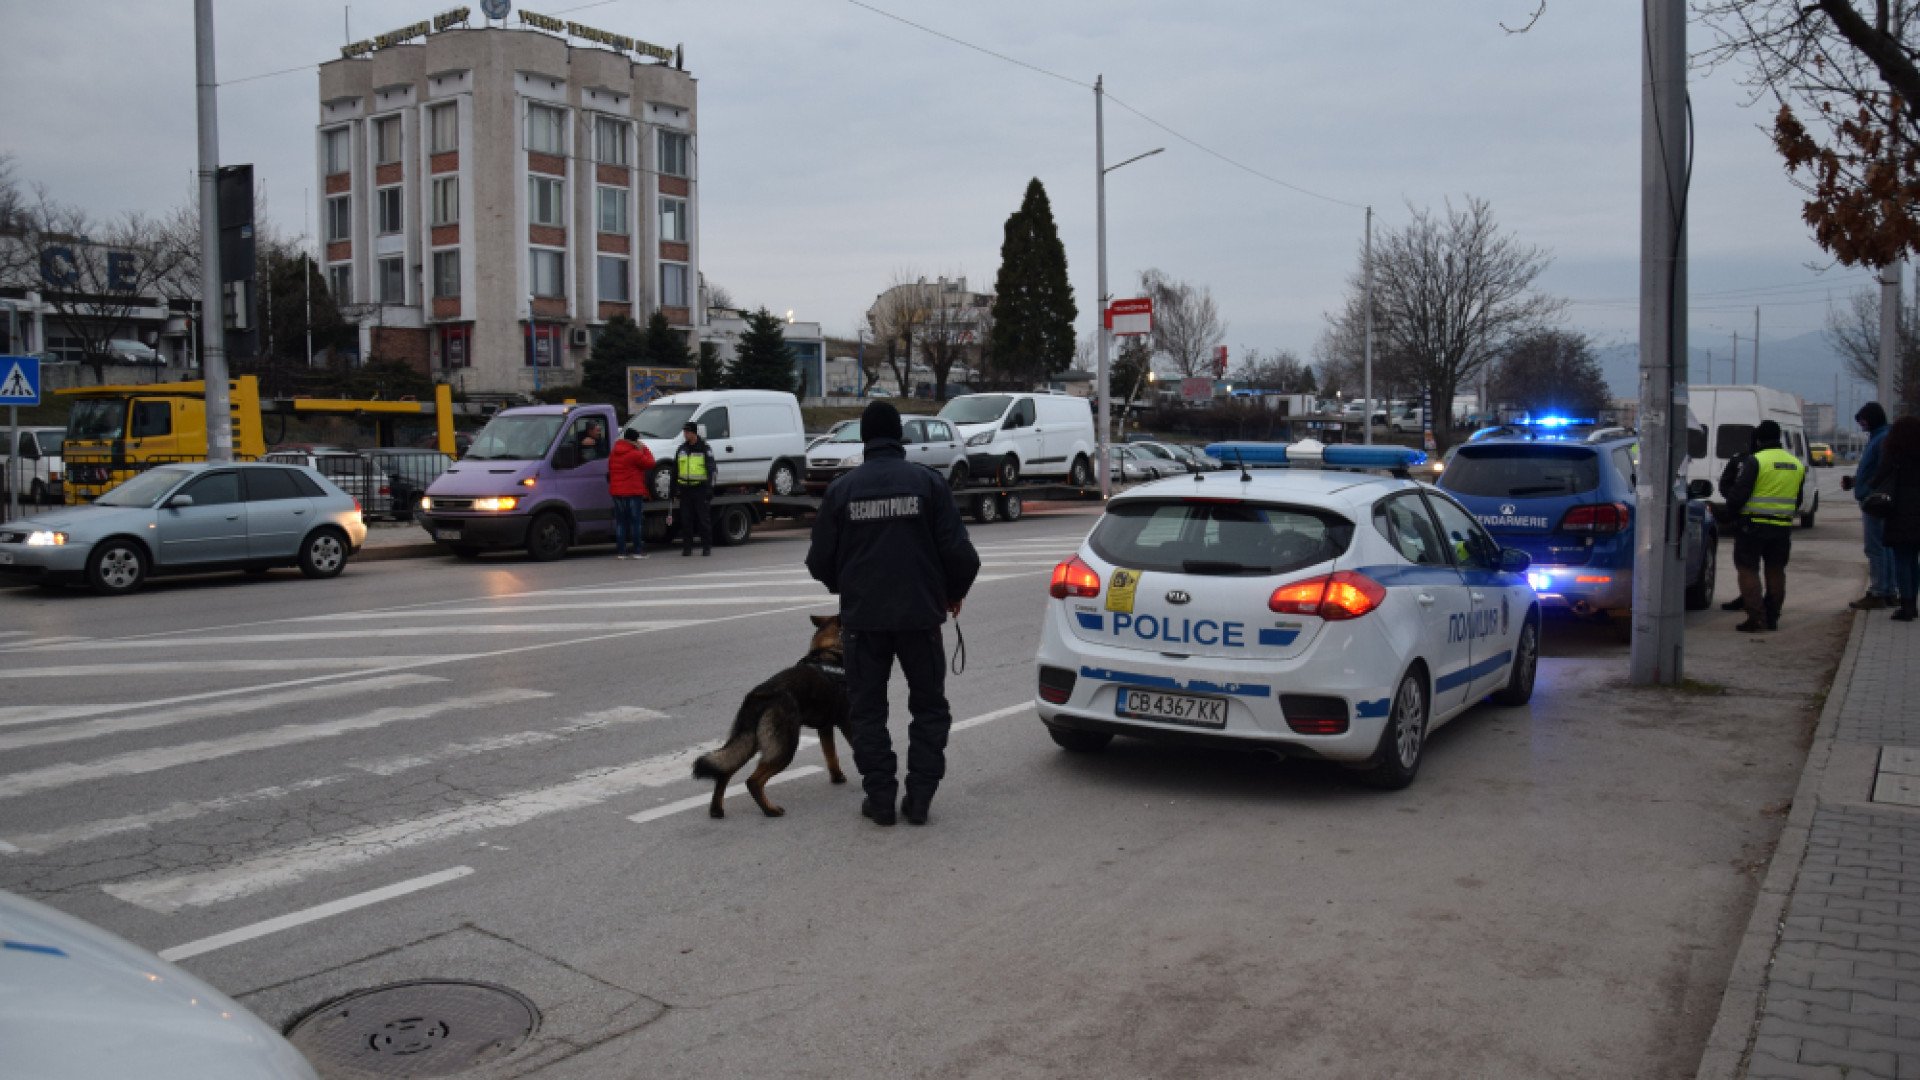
889, 542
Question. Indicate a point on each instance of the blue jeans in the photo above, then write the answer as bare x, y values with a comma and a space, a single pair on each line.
1906, 571
629, 524
1879, 556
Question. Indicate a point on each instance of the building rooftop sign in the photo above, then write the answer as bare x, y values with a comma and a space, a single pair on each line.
588, 33
454, 17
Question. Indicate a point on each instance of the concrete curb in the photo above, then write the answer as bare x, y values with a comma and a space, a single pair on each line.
1731, 1041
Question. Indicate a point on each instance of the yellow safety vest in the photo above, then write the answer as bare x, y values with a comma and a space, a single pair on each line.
693, 468
1776, 487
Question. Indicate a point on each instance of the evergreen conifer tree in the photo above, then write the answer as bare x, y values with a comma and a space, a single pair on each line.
665, 347
709, 372
603, 378
763, 360
1033, 309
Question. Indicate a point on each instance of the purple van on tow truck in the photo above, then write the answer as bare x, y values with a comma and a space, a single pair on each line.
534, 478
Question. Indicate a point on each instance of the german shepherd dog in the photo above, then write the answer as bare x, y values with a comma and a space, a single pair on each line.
810, 694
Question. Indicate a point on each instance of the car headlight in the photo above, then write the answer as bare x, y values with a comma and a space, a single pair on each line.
44, 538
496, 503
426, 502
854, 459
981, 439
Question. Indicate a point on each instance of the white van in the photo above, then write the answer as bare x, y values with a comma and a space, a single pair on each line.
1014, 436
35, 470
757, 436
1728, 415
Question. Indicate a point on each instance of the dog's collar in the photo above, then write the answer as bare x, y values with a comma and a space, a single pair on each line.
836, 671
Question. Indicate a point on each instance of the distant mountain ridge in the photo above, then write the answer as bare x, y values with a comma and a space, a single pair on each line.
1803, 365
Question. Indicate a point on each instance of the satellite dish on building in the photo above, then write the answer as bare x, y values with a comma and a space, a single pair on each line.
496, 9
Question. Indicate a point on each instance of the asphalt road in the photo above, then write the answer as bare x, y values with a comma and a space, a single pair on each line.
436, 769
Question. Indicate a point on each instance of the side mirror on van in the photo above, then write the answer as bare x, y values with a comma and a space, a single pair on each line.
1700, 489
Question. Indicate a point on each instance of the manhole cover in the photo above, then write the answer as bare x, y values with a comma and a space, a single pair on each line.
425, 1028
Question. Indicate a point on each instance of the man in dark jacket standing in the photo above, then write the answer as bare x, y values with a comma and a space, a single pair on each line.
888, 541
1872, 419
693, 486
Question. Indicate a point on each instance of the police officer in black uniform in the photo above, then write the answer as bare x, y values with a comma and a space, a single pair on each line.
889, 542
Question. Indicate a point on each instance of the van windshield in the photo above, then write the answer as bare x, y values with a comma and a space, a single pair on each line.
515, 438
979, 409
97, 419
662, 421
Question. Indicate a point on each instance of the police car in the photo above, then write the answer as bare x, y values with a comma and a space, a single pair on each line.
1311, 608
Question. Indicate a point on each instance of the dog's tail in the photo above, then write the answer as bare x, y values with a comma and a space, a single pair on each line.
742, 743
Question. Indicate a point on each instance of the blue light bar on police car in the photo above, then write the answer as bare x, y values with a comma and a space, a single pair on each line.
1308, 453
1374, 457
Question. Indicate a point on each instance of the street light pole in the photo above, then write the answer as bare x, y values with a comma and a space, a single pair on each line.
1366, 418
1886, 389
1101, 373
214, 364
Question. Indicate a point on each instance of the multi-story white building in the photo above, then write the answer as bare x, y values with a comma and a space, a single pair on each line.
489, 197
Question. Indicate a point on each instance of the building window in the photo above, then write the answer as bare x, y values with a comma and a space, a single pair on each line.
445, 122
673, 153
546, 129
386, 140
340, 217
446, 274
549, 273
613, 210
392, 214
673, 284
546, 201
673, 220
393, 281
609, 140
446, 200
544, 341
336, 151
455, 340
340, 282
613, 279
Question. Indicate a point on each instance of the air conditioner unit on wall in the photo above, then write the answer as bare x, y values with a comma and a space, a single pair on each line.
579, 337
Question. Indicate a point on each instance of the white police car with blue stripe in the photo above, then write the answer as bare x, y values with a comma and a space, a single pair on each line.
1315, 603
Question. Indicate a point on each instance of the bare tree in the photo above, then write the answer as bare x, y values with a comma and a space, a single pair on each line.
97, 276
1281, 369
1846, 76
15, 258
1854, 332
896, 317
1186, 323
947, 329
1451, 292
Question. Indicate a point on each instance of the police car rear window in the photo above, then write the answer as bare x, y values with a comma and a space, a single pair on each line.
1522, 471
1227, 538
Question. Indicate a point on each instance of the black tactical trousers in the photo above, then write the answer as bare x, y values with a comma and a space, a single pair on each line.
696, 515
869, 656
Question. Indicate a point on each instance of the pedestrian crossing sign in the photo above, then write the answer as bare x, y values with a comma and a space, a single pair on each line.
19, 380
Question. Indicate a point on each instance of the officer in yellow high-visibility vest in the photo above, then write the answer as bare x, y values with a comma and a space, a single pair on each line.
693, 486
1764, 498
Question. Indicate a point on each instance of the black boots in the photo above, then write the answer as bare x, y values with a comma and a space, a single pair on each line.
878, 812
1907, 613
914, 806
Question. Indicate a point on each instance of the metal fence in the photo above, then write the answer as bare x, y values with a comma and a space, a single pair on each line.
28, 506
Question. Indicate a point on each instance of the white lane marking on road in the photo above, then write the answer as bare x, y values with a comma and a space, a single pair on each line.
312, 914
8, 849
166, 757
352, 847
470, 630
203, 667
66, 712
32, 643
594, 721
41, 843
695, 802
120, 725
577, 605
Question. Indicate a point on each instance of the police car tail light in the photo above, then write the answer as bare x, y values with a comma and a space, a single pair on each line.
1074, 578
1600, 519
1342, 595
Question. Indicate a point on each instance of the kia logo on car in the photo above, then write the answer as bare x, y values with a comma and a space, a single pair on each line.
1507, 509
1178, 597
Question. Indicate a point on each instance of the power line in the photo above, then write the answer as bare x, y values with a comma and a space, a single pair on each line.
1196, 144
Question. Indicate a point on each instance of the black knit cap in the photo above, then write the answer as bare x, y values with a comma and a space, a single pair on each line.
880, 421
1766, 433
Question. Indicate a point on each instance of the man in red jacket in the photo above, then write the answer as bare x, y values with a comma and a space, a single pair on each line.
627, 481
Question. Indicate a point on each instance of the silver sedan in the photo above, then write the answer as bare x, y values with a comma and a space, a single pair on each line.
185, 518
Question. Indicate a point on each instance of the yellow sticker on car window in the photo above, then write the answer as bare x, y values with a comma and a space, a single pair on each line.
1120, 591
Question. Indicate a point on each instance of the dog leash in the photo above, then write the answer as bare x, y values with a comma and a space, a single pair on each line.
959, 661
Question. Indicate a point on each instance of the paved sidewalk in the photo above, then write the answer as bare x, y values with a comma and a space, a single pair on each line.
1827, 981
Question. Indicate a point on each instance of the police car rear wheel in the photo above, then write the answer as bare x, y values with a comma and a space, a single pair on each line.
1526, 662
1080, 742
1397, 759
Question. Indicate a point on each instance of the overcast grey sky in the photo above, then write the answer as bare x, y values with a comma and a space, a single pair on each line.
838, 145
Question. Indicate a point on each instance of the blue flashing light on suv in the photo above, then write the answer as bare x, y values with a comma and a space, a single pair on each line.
1570, 506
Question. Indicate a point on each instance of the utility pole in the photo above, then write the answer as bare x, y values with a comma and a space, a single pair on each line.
1100, 375
1889, 338
1756, 345
1658, 568
1735, 368
306, 271
1366, 421
214, 332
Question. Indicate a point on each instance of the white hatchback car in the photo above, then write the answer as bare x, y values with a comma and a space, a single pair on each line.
1318, 610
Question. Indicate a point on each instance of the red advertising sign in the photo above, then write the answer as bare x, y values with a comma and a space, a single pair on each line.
1196, 389
1219, 361
1130, 317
